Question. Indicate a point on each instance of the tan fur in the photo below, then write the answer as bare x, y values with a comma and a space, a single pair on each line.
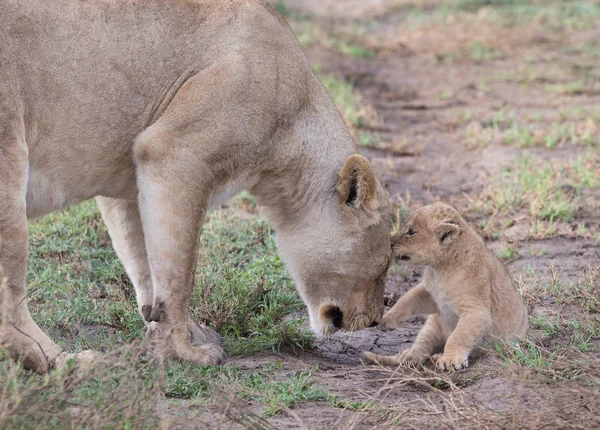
468, 294
160, 109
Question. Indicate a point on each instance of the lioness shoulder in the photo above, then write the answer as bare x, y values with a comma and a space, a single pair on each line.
469, 295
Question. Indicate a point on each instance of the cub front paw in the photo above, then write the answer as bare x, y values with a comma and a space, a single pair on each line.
449, 361
411, 358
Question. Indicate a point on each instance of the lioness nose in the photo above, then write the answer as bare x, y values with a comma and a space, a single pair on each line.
335, 315
374, 324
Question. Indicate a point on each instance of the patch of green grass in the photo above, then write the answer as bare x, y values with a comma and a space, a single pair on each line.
574, 127
509, 253
571, 320
368, 139
548, 325
244, 290
524, 76
349, 102
519, 136
355, 50
475, 5
570, 88
584, 294
263, 386
546, 191
310, 33
446, 95
78, 290
525, 354
277, 395
338, 402
480, 52
553, 14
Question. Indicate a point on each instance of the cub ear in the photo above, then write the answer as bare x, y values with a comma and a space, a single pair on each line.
356, 186
447, 231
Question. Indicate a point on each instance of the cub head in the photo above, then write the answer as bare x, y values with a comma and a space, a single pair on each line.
339, 253
428, 235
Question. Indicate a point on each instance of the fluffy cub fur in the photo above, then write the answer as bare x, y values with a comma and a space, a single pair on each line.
469, 296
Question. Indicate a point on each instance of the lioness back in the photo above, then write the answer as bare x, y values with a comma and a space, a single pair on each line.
93, 75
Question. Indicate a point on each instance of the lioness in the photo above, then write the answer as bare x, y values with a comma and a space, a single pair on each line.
469, 294
160, 109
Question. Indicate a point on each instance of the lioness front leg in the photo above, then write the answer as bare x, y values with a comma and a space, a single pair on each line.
172, 212
430, 339
122, 217
415, 302
178, 167
471, 328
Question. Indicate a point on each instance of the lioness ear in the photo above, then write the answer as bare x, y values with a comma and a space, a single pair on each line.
356, 184
447, 231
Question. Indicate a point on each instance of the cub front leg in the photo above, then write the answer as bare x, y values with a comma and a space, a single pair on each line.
471, 328
415, 302
430, 339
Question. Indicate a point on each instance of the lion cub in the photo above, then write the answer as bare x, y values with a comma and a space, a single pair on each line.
468, 294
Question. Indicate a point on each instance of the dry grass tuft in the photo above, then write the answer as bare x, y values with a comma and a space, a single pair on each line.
122, 390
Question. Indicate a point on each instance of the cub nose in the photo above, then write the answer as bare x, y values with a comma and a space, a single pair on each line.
335, 314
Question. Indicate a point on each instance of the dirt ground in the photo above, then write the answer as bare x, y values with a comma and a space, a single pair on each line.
426, 107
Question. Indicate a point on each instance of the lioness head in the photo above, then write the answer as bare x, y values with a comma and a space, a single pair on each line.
340, 252
428, 234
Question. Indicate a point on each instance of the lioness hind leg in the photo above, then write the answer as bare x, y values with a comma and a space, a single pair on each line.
122, 217
19, 334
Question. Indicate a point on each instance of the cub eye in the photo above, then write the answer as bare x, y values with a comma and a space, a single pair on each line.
410, 232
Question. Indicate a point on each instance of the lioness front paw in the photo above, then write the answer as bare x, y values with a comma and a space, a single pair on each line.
209, 355
449, 361
202, 334
182, 343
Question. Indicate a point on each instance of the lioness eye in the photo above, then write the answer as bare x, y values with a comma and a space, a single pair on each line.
410, 232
